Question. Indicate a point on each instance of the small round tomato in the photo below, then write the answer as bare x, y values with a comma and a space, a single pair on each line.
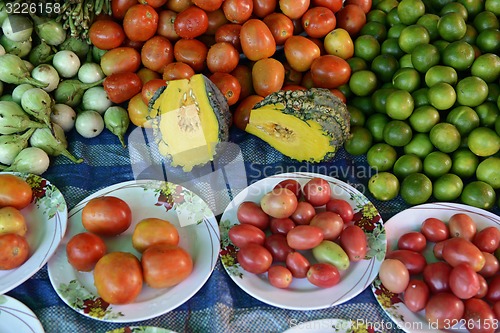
222, 57
416, 295
153, 230
462, 225
192, 52
120, 87
178, 5
415, 262
14, 251
156, 53
140, 22
228, 86
166, 19
464, 281
330, 71
14, 191
354, 242
268, 75
436, 275
118, 277
165, 265
279, 276
216, 19
84, 250
477, 313
237, 11
294, 9
434, 229
146, 74
300, 52
279, 202
323, 275
119, 60
281, 27
487, 239
297, 264
177, 70
444, 308
491, 265
242, 112
243, 73
243, 234
352, 18
412, 240
191, 22
120, 7
149, 89
257, 41
106, 34
317, 191
291, 184
394, 275
154, 3
254, 258
333, 5
304, 237
341, 207
251, 213
138, 112
106, 216
366, 5
331, 223
318, 21
208, 5
304, 213
281, 225
229, 32
278, 246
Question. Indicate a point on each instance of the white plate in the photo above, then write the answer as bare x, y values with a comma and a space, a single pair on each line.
199, 235
302, 295
329, 326
14, 314
142, 329
46, 218
410, 220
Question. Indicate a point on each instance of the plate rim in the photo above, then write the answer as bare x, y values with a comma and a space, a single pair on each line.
29, 316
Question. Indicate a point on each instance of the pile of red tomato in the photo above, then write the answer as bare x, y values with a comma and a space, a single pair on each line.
248, 48
460, 285
119, 276
298, 232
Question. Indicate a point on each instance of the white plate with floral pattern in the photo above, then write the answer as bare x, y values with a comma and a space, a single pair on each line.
46, 218
14, 315
410, 220
301, 294
199, 235
140, 329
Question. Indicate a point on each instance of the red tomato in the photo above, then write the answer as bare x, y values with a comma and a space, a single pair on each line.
154, 3
262, 8
304, 213
279, 203
140, 22
483, 287
291, 184
464, 281
459, 250
106, 216
415, 262
251, 213
243, 74
413, 240
278, 246
341, 207
323, 275
331, 223
297, 264
416, 295
281, 225
339, 94
208, 5
149, 89
14, 191
118, 277
237, 11
14, 251
192, 52
120, 7
254, 258
292, 76
166, 19
119, 60
317, 191
120, 87
243, 234
191, 22
462, 225
304, 237
354, 242
318, 21
434, 230
216, 19
222, 57
156, 53
366, 5
333, 5
280, 25
289, 86
294, 9
138, 112
106, 34
147, 74
257, 41
177, 70
165, 265
300, 52
479, 316
394, 275
491, 265
268, 75
351, 18
228, 85
436, 275
330, 71
493, 294
178, 5
229, 32
84, 250
242, 111
444, 309
150, 231
279, 276
487, 239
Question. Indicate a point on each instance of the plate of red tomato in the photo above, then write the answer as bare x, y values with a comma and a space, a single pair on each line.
282, 251
91, 291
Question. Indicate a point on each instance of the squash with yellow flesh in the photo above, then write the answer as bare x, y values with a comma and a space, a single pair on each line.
305, 125
192, 118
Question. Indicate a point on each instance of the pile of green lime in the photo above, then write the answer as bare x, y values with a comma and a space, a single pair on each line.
424, 97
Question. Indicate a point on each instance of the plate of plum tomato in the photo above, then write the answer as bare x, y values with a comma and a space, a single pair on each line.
284, 241
14, 314
168, 209
442, 269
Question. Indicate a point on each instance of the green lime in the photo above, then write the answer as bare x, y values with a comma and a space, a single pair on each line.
420, 97
492, 6
451, 27
441, 44
359, 142
442, 95
384, 66
437, 5
419, 145
445, 137
429, 21
470, 35
406, 79
344, 89
397, 133
381, 156
386, 5
407, 164
437, 164
483, 141
455, 7
416, 188
486, 67
399, 104
464, 118
488, 41
413, 36
364, 103
395, 30
376, 15
424, 57
383, 186
473, 7
392, 17
390, 46
363, 82
440, 73
375, 29
493, 92
489, 171
464, 163
366, 47
447, 187
471, 91
488, 113
376, 123
485, 20
459, 55
379, 99
424, 118
478, 194
358, 118
497, 126
405, 61
409, 11
357, 64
